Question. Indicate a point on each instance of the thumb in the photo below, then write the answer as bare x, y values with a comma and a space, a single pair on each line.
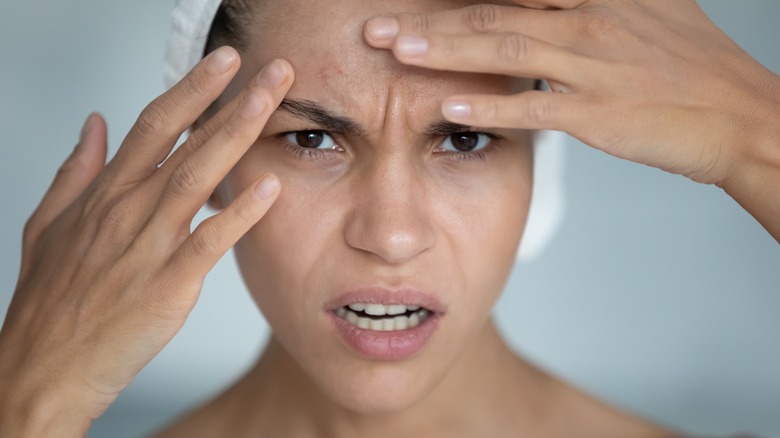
74, 175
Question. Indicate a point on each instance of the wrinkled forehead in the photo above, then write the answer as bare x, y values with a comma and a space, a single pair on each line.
323, 41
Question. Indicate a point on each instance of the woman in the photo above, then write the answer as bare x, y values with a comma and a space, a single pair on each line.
381, 207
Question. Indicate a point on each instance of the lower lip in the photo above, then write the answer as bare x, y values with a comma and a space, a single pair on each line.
395, 345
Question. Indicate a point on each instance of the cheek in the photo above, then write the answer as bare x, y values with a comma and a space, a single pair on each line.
296, 257
476, 212
282, 253
298, 252
482, 220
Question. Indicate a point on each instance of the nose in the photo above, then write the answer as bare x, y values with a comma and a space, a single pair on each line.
391, 216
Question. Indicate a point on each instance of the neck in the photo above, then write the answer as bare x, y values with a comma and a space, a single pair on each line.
488, 387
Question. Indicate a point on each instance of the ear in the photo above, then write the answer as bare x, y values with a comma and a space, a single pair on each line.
216, 200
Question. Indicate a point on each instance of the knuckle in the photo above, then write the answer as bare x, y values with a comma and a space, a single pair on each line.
539, 111
194, 85
596, 25
514, 48
198, 137
117, 213
234, 129
187, 177
417, 23
205, 240
482, 18
112, 224
152, 121
447, 47
490, 110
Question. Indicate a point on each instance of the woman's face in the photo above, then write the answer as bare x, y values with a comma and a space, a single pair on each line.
378, 206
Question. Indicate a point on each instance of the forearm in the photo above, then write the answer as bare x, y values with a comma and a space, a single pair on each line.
755, 180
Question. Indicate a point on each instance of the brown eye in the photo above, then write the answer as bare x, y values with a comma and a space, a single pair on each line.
309, 139
466, 141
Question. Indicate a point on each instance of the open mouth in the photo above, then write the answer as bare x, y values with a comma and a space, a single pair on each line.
383, 317
373, 322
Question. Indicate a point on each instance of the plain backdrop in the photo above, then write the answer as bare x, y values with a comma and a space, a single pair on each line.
659, 295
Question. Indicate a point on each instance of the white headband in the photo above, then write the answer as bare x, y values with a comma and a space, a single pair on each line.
191, 22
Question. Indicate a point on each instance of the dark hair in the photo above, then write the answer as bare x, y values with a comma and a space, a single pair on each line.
230, 26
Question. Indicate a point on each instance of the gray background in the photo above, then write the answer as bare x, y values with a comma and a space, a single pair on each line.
659, 294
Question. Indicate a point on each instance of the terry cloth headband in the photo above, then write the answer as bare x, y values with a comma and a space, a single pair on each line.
191, 22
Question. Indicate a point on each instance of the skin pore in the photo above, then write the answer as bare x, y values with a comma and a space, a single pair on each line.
386, 203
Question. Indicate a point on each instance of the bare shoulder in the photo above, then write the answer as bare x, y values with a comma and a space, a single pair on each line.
583, 415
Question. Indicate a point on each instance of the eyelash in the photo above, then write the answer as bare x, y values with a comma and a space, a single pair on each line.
300, 152
318, 154
480, 155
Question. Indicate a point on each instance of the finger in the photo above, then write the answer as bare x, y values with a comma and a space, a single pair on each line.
551, 4
162, 121
193, 181
154, 186
200, 135
76, 173
504, 53
215, 235
483, 18
206, 131
527, 110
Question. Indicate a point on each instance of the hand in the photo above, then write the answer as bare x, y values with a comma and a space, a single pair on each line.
110, 270
655, 82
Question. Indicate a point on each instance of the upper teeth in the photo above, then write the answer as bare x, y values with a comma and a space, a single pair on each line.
382, 309
379, 317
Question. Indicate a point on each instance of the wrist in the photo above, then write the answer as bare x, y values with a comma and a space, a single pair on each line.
754, 176
756, 146
29, 412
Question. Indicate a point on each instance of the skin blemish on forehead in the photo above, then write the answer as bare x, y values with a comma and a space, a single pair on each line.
330, 73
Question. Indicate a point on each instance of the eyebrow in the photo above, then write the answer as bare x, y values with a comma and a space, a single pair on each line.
323, 118
317, 114
444, 127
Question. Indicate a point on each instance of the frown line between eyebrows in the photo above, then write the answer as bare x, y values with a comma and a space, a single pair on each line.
328, 121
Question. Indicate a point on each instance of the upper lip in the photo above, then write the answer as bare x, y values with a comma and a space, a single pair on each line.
380, 295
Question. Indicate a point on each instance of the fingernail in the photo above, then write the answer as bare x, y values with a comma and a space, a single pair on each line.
266, 187
409, 45
456, 109
88, 124
383, 28
273, 75
254, 105
221, 60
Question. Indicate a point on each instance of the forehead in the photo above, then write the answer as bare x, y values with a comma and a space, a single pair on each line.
334, 66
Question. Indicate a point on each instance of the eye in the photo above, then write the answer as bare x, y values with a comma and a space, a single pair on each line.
312, 140
466, 142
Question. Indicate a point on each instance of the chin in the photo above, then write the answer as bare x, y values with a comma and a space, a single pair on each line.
380, 389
